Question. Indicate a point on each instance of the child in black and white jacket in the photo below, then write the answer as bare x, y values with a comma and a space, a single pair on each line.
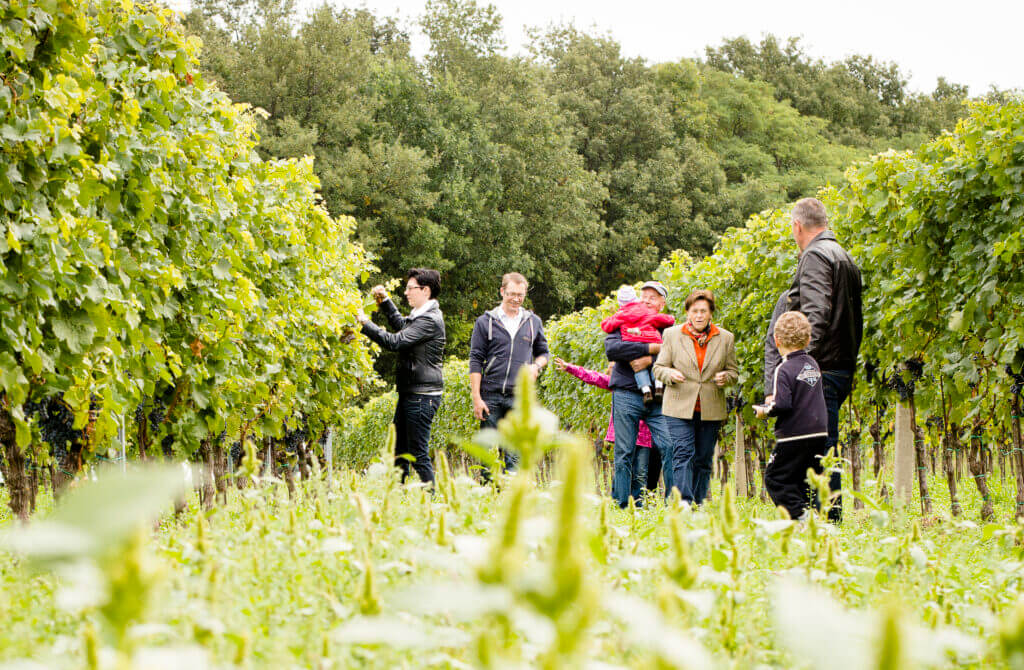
801, 425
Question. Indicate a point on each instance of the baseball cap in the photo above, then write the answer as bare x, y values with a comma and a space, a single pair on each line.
657, 286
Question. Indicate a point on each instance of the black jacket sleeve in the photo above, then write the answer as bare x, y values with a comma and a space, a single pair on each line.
415, 331
395, 319
772, 359
812, 295
478, 346
782, 394
623, 352
540, 343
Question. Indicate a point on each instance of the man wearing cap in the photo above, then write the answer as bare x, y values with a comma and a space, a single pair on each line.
628, 407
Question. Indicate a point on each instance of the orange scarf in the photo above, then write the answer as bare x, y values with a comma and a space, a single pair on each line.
700, 341
700, 347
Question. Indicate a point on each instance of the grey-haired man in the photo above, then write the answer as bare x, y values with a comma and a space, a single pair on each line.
628, 407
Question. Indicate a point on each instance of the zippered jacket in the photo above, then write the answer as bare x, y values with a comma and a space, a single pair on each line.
497, 355
621, 353
419, 342
827, 289
798, 399
772, 357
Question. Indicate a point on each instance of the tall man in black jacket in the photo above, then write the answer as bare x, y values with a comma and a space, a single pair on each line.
419, 341
827, 289
504, 339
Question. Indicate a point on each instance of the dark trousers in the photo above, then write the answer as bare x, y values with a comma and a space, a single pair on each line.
413, 416
653, 469
628, 409
785, 478
837, 385
693, 449
499, 405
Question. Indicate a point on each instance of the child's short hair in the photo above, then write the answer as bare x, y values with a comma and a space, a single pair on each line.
793, 330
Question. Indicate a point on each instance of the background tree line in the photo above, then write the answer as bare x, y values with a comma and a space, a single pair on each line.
574, 164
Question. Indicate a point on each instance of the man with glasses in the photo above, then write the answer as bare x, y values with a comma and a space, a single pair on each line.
419, 340
504, 339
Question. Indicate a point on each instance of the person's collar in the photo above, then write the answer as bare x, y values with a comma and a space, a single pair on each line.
425, 307
825, 234
499, 312
710, 329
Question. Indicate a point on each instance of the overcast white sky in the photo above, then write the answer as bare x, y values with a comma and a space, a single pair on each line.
974, 42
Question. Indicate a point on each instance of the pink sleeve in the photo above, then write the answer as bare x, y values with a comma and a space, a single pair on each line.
598, 379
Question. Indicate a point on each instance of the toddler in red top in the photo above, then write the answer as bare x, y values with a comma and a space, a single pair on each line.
638, 323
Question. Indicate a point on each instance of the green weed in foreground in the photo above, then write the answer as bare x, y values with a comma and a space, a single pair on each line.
527, 575
363, 572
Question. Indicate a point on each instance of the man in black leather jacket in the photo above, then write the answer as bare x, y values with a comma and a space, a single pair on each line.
419, 340
827, 289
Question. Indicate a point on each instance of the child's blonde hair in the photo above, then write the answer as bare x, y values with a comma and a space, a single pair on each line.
793, 330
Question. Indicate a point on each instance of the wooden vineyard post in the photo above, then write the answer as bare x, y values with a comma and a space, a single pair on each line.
904, 457
853, 455
921, 458
1017, 450
740, 460
951, 440
878, 451
978, 464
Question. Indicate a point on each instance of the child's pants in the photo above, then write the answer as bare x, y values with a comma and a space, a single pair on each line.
786, 474
643, 378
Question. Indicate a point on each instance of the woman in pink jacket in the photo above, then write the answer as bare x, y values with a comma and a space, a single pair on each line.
646, 470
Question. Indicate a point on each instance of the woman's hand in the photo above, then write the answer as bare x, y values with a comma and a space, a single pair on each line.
560, 364
676, 376
379, 293
722, 378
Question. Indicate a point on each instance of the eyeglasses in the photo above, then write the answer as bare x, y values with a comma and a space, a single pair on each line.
410, 287
515, 296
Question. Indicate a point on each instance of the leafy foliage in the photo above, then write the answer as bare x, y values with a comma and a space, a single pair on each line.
148, 246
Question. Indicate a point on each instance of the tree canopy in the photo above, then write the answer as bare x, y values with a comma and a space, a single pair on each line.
574, 164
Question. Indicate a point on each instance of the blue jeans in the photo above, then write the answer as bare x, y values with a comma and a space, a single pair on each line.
836, 385
643, 462
643, 378
413, 416
693, 449
499, 405
628, 409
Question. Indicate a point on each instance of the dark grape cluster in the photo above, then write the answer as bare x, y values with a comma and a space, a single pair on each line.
167, 446
1018, 380
905, 389
56, 426
236, 452
736, 401
157, 409
915, 367
293, 439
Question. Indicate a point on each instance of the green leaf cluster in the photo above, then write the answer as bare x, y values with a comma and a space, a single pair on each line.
148, 248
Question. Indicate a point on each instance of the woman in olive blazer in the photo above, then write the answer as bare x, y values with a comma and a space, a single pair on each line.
696, 363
